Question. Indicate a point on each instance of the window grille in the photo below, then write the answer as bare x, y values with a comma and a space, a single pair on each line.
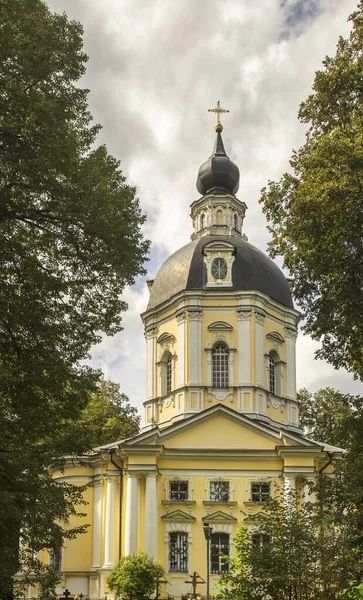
178, 551
220, 357
219, 491
271, 374
259, 540
55, 559
260, 492
219, 547
178, 490
168, 375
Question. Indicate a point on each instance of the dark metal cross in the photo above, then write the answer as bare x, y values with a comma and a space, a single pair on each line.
218, 110
66, 594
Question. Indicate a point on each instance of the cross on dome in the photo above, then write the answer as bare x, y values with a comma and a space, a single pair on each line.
218, 110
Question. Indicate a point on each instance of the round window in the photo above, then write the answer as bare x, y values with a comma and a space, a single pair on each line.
219, 268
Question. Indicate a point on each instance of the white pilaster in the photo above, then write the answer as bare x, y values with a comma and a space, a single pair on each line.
195, 346
289, 489
259, 356
97, 514
181, 318
308, 494
151, 517
244, 346
291, 363
150, 335
112, 527
231, 367
132, 514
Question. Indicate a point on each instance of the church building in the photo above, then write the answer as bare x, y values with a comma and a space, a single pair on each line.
222, 428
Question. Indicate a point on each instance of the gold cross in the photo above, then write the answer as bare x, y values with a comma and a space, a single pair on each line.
218, 110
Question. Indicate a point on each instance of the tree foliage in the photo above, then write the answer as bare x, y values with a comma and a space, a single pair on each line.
70, 240
337, 419
302, 553
315, 213
108, 416
134, 577
314, 550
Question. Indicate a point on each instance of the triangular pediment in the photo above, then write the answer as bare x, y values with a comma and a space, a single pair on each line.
219, 428
178, 516
219, 517
255, 519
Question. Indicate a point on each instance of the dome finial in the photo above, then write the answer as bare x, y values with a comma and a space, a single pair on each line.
218, 110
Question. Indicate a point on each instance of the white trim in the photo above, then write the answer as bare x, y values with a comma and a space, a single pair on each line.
171, 527
213, 473
111, 520
151, 516
244, 346
132, 514
75, 478
176, 477
181, 348
96, 525
195, 346
221, 478
259, 354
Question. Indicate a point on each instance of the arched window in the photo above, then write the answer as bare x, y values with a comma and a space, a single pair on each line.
272, 372
168, 375
219, 217
202, 221
235, 222
220, 355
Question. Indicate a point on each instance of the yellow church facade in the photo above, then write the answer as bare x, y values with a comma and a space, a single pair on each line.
221, 432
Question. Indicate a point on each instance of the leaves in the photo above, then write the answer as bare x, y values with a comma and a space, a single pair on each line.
315, 215
70, 241
135, 576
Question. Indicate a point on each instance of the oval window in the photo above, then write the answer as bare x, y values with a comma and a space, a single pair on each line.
219, 268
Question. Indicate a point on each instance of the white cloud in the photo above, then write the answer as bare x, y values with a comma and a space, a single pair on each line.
155, 67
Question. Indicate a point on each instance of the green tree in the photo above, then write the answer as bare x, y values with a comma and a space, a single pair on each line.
336, 418
294, 554
134, 577
325, 415
70, 241
108, 416
315, 212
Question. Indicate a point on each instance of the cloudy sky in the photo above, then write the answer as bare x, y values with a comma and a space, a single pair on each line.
154, 69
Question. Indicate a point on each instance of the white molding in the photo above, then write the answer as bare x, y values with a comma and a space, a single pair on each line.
97, 524
195, 346
132, 514
291, 366
181, 318
151, 515
244, 346
259, 354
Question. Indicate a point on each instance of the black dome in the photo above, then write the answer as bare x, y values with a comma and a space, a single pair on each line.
251, 270
218, 172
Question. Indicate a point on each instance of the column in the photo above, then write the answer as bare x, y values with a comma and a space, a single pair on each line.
112, 525
97, 514
231, 367
180, 318
308, 494
244, 345
259, 355
132, 514
289, 489
151, 516
195, 345
150, 334
290, 360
